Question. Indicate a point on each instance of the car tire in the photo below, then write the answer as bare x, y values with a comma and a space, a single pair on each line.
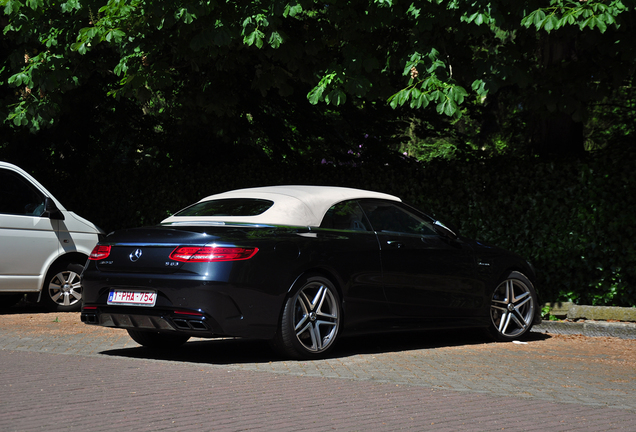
157, 340
62, 291
512, 308
311, 319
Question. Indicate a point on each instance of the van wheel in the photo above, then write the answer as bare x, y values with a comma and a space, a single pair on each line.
62, 290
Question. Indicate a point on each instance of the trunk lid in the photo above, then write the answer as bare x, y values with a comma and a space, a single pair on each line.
147, 250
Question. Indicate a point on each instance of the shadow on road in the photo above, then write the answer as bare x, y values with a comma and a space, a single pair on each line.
22, 307
238, 351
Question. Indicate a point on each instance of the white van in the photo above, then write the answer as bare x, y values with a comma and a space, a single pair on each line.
43, 247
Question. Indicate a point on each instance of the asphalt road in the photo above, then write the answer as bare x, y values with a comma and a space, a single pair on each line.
59, 374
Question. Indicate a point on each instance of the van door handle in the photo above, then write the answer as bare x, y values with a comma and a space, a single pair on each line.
395, 244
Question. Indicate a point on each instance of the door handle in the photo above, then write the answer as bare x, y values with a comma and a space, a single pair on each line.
395, 244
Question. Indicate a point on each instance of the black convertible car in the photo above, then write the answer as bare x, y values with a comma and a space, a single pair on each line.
300, 266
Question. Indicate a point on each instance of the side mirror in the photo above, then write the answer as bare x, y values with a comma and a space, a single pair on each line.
444, 230
51, 211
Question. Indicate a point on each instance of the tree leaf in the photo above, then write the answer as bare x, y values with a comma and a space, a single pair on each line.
393, 103
275, 40
423, 100
550, 23
601, 26
292, 11
254, 38
450, 108
315, 95
539, 17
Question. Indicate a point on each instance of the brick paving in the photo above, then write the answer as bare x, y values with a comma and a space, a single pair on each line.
68, 376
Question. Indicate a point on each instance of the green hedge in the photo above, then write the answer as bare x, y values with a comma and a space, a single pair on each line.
574, 220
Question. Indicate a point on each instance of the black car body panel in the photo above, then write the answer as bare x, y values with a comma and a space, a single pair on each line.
244, 298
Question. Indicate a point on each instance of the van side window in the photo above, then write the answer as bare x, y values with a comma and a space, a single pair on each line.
19, 197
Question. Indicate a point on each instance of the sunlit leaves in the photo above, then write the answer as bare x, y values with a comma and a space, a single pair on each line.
478, 18
292, 10
184, 15
315, 95
275, 40
20, 79
40, 33
34, 4
584, 14
426, 86
334, 87
446, 98
414, 11
255, 28
11, 6
321, 92
479, 87
342, 51
85, 38
114, 35
70, 5
254, 38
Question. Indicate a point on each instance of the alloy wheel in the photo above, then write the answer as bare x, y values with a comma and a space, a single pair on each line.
512, 308
316, 317
65, 288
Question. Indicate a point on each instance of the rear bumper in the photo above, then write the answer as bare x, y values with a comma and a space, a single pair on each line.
193, 324
186, 304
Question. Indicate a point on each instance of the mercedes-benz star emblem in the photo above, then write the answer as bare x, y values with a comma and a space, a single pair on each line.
134, 256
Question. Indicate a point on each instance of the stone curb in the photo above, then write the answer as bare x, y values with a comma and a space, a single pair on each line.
590, 320
623, 330
602, 313
608, 313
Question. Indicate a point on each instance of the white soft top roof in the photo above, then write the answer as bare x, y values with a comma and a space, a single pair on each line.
293, 205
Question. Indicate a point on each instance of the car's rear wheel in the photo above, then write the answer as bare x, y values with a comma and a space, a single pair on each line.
157, 340
63, 288
311, 319
512, 308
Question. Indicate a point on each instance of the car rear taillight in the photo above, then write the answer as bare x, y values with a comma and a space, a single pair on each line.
199, 314
99, 252
211, 253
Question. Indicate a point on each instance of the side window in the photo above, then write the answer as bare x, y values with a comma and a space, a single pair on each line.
346, 215
389, 217
19, 197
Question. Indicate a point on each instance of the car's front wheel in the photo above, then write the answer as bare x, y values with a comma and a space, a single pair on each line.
512, 307
157, 340
311, 319
62, 290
